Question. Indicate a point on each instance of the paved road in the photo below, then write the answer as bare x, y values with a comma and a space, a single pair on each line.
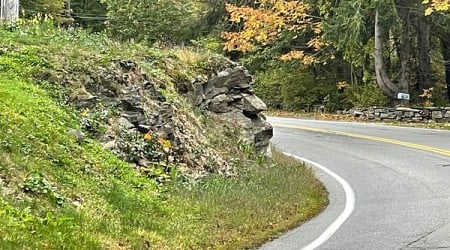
400, 178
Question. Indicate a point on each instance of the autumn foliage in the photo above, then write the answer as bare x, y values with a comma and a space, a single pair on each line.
265, 24
436, 5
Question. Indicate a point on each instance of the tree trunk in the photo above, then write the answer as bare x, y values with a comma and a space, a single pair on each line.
383, 80
9, 10
404, 48
446, 54
423, 57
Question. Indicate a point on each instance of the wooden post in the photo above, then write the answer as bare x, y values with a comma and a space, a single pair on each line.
9, 10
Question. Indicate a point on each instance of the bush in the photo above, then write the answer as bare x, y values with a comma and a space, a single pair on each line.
295, 87
150, 20
365, 96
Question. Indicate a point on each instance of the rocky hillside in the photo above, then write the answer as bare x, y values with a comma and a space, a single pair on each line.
131, 99
108, 145
170, 134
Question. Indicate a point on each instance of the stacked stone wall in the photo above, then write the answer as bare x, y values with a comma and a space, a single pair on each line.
418, 114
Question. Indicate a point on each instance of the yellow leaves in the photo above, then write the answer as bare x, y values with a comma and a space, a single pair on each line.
341, 85
436, 5
318, 28
259, 26
429, 11
264, 25
148, 136
299, 55
316, 43
427, 95
309, 60
165, 144
293, 55
237, 42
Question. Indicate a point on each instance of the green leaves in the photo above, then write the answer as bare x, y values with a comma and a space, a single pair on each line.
37, 184
152, 20
49, 7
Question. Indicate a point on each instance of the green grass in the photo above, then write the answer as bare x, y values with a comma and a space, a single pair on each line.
45, 172
245, 211
57, 194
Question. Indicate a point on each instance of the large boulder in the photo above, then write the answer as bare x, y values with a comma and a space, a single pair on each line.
230, 95
253, 105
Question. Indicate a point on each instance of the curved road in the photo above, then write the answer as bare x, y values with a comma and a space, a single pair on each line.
400, 178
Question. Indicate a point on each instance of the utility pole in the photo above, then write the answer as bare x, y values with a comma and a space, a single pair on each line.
9, 10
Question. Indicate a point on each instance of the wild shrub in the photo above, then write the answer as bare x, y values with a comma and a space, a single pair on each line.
365, 96
291, 88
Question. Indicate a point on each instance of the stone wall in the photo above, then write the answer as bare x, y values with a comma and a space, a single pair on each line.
419, 114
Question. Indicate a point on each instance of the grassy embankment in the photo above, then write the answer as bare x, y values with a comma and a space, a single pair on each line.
57, 194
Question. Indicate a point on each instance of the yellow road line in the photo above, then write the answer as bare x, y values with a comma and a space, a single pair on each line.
372, 138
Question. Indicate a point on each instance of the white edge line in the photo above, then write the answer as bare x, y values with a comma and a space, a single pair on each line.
348, 210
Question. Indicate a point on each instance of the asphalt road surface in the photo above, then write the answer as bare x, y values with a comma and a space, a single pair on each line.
389, 186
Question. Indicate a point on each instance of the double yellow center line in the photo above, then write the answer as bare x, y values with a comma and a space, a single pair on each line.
372, 138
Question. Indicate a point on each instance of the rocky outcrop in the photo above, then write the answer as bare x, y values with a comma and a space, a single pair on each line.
230, 96
147, 130
135, 108
419, 114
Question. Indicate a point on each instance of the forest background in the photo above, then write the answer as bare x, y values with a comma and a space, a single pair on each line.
340, 54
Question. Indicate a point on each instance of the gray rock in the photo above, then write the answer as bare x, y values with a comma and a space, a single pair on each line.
213, 92
237, 77
135, 118
237, 117
142, 128
432, 108
77, 135
407, 109
263, 132
391, 116
124, 123
128, 65
223, 73
436, 115
110, 145
152, 91
219, 104
253, 105
132, 103
85, 102
198, 94
144, 163
358, 113
230, 95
